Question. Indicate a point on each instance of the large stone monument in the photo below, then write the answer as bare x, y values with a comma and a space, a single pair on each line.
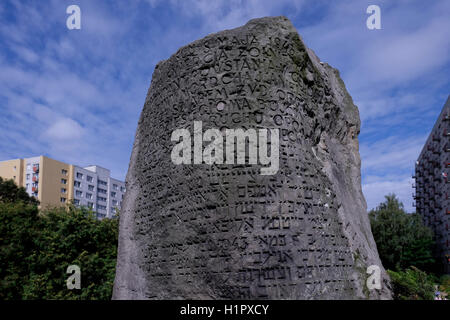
202, 228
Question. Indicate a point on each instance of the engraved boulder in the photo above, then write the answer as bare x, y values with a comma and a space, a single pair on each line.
213, 224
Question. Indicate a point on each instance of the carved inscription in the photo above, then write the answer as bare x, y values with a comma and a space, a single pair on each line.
225, 231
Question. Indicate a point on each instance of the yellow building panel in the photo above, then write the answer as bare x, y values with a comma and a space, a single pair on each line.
52, 189
13, 169
70, 181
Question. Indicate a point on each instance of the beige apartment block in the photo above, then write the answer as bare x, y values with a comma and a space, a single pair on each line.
50, 181
55, 183
12, 169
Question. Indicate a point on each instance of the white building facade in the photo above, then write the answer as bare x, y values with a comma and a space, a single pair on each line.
94, 188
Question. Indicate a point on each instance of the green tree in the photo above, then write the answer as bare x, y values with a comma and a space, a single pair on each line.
412, 284
17, 235
10, 192
36, 249
402, 239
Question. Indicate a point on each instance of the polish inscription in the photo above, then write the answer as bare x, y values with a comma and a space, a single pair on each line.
225, 231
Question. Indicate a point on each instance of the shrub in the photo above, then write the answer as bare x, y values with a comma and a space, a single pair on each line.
412, 284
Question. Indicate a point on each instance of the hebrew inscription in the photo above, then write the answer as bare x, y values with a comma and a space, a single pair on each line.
224, 231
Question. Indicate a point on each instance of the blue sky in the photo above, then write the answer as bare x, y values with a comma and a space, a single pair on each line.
88, 86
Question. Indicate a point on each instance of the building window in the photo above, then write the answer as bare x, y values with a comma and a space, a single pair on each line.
99, 206
76, 201
27, 185
90, 205
90, 187
63, 190
88, 195
77, 184
79, 175
63, 181
104, 183
63, 200
28, 167
64, 172
28, 176
113, 194
122, 189
101, 215
115, 187
89, 178
101, 199
114, 202
78, 193
101, 191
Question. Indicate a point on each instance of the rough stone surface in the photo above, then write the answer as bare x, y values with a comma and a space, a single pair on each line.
225, 231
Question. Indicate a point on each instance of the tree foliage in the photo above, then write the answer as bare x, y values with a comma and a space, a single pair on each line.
412, 284
10, 192
402, 239
36, 249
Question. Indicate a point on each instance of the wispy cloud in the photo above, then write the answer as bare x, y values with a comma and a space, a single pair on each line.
64, 130
393, 153
88, 86
375, 191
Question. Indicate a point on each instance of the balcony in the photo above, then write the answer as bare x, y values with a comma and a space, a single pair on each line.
436, 138
447, 148
34, 189
35, 168
35, 179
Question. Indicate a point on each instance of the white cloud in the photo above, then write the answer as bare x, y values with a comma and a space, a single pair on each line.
375, 191
400, 57
394, 153
64, 129
26, 54
225, 14
387, 166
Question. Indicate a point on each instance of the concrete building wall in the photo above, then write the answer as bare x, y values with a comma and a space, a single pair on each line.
85, 187
116, 193
432, 175
31, 174
13, 169
53, 190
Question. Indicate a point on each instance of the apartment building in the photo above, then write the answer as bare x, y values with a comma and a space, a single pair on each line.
432, 184
56, 183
